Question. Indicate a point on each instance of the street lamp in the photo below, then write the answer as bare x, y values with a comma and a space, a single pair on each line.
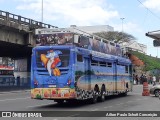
123, 49
122, 23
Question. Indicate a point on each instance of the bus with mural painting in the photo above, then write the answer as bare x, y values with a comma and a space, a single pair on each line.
68, 65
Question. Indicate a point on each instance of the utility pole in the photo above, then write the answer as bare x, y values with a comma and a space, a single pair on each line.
157, 52
42, 11
122, 23
122, 31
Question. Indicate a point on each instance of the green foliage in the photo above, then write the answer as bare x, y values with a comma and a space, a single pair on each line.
150, 62
89, 72
118, 37
79, 73
38, 96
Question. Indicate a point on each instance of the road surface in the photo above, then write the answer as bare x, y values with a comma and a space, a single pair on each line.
134, 101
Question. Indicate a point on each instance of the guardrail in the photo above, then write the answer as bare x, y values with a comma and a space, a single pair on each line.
11, 81
6, 16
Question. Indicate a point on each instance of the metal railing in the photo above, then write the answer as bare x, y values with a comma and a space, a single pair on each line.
32, 24
11, 81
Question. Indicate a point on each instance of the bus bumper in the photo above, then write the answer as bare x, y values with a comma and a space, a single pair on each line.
53, 93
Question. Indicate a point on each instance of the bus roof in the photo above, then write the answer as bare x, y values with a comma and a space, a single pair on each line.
70, 36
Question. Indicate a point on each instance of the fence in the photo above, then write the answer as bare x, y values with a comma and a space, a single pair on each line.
12, 18
11, 83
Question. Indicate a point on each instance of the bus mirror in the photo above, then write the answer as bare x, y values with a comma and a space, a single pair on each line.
76, 38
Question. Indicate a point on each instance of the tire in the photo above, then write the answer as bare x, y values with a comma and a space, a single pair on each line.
156, 93
60, 101
124, 94
94, 99
102, 98
71, 101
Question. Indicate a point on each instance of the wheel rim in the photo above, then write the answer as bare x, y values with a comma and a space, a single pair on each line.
95, 99
156, 93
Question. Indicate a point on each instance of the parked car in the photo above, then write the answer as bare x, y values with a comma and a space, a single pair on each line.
155, 90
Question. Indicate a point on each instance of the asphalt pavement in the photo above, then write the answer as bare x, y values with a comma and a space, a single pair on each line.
134, 101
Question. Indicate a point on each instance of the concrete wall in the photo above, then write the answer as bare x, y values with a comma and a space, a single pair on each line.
21, 68
11, 36
22, 74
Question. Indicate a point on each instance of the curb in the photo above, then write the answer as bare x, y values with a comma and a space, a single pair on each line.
17, 91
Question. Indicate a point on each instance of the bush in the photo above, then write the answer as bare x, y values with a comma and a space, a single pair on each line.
149, 61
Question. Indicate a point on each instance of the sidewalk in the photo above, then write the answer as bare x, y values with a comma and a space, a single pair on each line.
16, 91
11, 89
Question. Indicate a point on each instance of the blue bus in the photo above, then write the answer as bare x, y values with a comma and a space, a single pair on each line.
70, 66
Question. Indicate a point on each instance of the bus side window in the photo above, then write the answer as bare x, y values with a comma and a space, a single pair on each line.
79, 58
109, 64
103, 64
94, 63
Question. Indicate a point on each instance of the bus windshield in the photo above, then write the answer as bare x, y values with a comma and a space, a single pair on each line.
52, 58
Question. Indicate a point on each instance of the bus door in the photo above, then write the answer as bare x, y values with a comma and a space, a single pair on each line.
115, 75
131, 76
87, 69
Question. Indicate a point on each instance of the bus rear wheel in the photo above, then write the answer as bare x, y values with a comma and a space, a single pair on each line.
94, 99
124, 94
102, 98
103, 90
59, 101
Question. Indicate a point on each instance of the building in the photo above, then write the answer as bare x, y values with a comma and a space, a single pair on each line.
135, 46
93, 29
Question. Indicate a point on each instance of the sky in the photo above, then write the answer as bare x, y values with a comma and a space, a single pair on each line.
140, 16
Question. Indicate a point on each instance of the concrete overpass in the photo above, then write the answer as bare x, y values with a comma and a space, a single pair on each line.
17, 34
17, 39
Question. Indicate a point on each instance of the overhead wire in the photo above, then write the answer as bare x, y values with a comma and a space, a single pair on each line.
149, 10
155, 15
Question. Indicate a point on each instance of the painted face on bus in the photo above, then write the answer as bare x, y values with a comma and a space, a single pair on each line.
95, 45
107, 50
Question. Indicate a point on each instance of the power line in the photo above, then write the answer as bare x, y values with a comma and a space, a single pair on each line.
149, 10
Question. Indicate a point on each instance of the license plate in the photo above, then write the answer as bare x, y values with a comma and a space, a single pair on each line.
51, 86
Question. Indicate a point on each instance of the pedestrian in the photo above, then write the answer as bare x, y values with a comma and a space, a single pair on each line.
18, 80
134, 79
149, 79
154, 80
13, 80
145, 79
159, 79
137, 79
141, 79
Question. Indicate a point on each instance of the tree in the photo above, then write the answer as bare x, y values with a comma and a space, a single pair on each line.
118, 37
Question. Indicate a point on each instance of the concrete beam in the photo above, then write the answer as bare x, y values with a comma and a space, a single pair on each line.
12, 37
